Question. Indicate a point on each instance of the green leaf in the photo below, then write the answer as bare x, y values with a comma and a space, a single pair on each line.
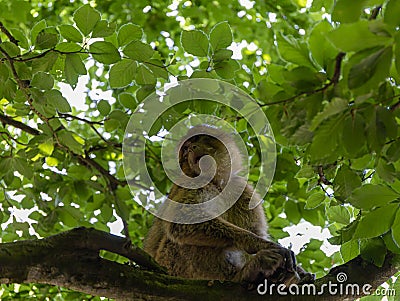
389, 241
128, 33
23, 71
387, 118
66, 217
222, 54
42, 81
306, 172
144, 91
103, 107
144, 76
139, 51
47, 147
21, 36
68, 47
73, 68
103, 29
70, 33
356, 36
321, 49
348, 11
374, 251
353, 134
350, 250
396, 229
362, 72
68, 140
119, 116
346, 181
393, 152
371, 195
122, 209
376, 222
339, 214
51, 161
158, 68
86, 18
376, 134
106, 213
47, 38
195, 42
5, 165
45, 63
334, 107
122, 73
392, 12
226, 69
221, 36
292, 212
22, 166
291, 50
326, 138
11, 48
4, 72
127, 100
386, 171
55, 98
397, 53
104, 52
111, 125
38, 27
315, 200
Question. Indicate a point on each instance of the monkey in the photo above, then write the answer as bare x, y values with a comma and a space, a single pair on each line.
234, 246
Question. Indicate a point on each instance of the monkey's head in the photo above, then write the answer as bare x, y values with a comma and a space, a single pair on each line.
205, 140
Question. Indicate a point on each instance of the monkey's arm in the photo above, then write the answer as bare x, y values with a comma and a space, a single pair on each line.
215, 233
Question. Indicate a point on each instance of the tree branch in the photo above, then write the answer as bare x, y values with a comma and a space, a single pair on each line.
8, 34
17, 124
71, 259
395, 106
375, 12
333, 81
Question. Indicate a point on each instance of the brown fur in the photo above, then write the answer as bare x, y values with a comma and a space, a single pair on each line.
235, 245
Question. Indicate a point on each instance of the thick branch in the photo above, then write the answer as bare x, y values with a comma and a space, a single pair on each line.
71, 260
17, 124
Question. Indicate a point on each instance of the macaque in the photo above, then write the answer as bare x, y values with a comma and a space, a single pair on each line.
234, 246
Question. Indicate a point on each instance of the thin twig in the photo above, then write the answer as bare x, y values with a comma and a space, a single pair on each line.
324, 190
322, 178
12, 138
333, 81
8, 34
66, 115
365, 177
395, 106
375, 12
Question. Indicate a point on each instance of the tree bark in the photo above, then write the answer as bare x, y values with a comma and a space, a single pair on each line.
71, 259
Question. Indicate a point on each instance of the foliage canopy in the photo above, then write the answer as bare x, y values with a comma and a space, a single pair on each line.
327, 76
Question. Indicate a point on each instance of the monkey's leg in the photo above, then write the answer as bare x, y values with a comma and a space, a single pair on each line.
219, 233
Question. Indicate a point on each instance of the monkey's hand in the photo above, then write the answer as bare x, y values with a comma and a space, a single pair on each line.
284, 258
269, 264
262, 265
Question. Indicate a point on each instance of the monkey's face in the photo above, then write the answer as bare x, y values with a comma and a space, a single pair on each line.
197, 147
